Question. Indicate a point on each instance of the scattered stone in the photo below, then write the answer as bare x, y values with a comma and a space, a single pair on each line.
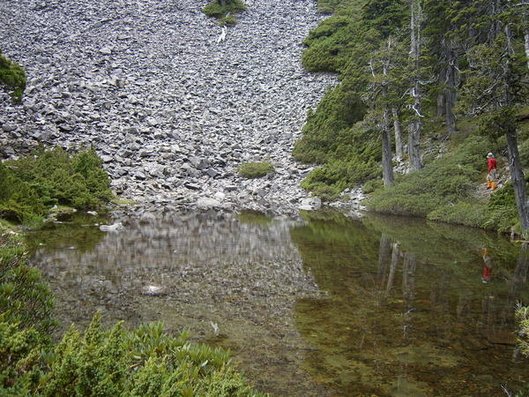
9, 127
205, 203
163, 106
105, 50
310, 204
192, 186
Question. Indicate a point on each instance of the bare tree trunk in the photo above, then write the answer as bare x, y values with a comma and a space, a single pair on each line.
387, 166
450, 92
387, 155
441, 105
395, 254
517, 178
517, 174
414, 150
399, 146
415, 52
526, 44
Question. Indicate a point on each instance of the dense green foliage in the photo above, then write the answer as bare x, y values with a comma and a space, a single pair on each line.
224, 10
522, 319
31, 185
425, 66
256, 169
446, 190
24, 299
12, 77
97, 362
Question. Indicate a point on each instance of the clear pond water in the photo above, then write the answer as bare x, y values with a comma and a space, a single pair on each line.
323, 306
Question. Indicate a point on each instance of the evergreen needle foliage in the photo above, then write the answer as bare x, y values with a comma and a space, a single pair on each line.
33, 184
144, 361
412, 73
12, 77
256, 169
224, 10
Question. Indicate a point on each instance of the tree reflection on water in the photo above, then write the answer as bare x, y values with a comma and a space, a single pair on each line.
327, 306
407, 313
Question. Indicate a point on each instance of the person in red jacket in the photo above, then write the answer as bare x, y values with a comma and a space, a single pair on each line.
492, 172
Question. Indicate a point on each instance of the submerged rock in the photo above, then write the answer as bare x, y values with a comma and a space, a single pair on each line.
153, 290
116, 227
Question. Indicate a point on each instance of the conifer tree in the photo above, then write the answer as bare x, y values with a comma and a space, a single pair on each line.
416, 38
496, 85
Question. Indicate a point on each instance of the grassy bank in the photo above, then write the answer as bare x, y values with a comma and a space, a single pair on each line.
450, 189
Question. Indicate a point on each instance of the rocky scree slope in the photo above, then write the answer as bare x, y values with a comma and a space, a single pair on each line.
172, 111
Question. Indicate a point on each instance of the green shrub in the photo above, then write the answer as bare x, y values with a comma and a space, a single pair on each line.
256, 169
323, 191
12, 77
224, 13
372, 185
228, 20
31, 185
141, 362
25, 298
330, 131
328, 45
144, 361
462, 213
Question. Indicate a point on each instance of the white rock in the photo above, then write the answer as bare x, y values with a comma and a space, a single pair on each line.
310, 204
153, 290
219, 196
206, 203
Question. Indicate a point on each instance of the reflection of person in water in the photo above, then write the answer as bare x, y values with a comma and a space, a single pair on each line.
487, 266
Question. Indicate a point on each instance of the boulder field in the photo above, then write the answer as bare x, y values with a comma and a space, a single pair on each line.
172, 110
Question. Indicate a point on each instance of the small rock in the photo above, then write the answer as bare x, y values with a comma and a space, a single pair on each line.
153, 290
206, 203
310, 204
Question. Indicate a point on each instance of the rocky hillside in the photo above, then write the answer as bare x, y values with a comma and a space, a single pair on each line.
172, 111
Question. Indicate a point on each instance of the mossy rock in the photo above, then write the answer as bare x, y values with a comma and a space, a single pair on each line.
256, 169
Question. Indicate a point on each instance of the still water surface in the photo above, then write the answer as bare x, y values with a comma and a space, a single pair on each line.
323, 306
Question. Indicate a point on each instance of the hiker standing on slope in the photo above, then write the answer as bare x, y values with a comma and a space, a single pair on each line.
492, 175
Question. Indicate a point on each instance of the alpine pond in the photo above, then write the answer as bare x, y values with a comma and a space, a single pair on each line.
319, 306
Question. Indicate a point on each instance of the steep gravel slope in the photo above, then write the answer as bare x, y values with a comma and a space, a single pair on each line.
172, 111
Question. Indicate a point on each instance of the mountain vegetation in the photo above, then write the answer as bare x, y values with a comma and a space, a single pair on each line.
224, 10
32, 185
99, 361
426, 89
256, 169
12, 77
